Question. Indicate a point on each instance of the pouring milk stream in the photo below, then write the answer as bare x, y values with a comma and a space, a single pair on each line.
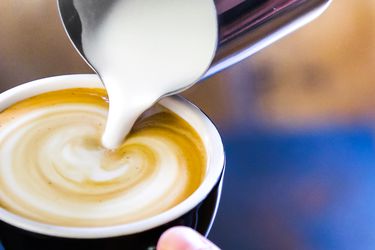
146, 50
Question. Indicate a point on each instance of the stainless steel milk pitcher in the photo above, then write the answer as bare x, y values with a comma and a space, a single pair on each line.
245, 26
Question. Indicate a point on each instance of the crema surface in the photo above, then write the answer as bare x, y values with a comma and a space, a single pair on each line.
54, 170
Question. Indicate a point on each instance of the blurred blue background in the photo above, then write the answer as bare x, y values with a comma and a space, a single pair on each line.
297, 121
313, 190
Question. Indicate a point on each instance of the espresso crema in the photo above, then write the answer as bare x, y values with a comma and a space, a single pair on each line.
54, 170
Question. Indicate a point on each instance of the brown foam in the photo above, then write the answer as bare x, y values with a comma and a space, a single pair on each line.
50, 189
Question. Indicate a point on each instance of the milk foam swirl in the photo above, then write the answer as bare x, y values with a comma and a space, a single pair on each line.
54, 170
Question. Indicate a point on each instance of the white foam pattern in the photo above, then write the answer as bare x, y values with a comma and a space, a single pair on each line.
54, 170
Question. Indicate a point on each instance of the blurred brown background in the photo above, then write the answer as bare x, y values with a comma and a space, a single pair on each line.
322, 72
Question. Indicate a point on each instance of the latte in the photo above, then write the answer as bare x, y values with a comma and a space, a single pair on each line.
54, 170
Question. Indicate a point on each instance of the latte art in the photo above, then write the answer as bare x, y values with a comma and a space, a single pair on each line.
54, 170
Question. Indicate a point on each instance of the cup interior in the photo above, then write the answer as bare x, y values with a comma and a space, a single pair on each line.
187, 111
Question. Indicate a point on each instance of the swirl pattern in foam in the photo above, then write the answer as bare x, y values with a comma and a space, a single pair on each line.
53, 168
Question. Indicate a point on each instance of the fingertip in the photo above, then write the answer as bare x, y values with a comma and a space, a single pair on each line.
183, 238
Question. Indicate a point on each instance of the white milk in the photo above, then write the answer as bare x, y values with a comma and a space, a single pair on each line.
147, 49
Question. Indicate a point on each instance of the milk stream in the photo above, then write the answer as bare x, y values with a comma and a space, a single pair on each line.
148, 49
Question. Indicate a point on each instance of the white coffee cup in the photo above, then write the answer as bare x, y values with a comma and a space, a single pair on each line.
197, 211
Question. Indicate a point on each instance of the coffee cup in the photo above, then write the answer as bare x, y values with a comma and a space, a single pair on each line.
197, 211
